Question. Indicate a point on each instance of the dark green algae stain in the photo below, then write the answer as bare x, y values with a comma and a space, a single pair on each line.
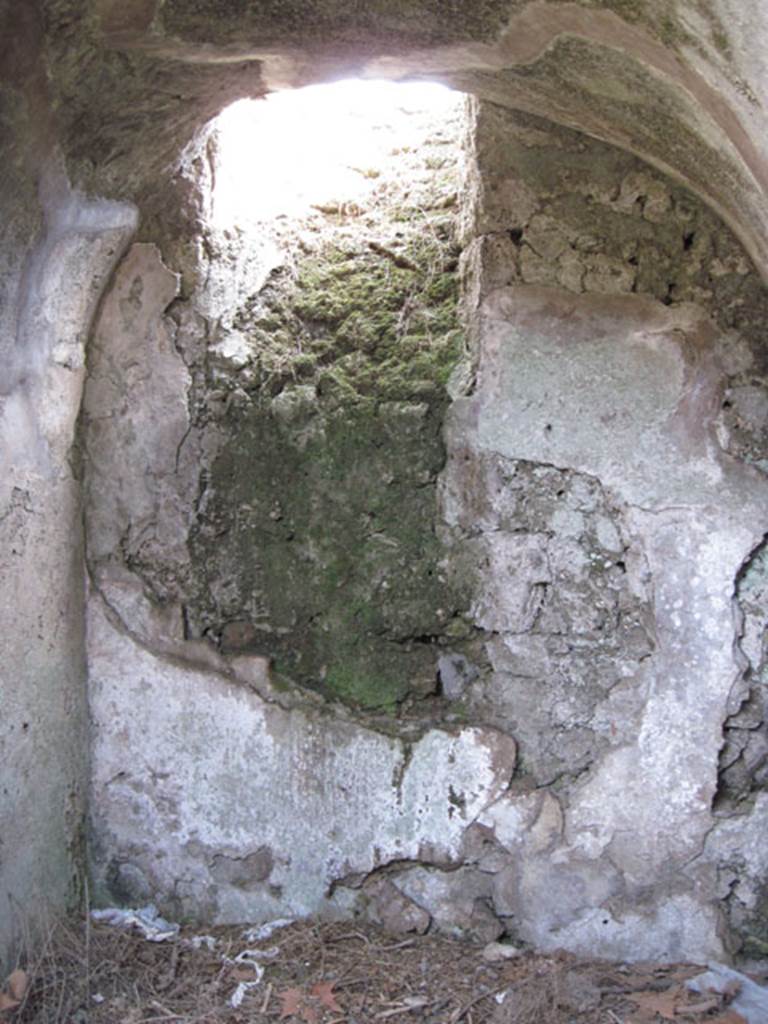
321, 506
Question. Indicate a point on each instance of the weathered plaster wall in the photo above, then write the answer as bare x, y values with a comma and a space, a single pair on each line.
597, 480
44, 726
681, 85
598, 644
275, 502
230, 806
58, 249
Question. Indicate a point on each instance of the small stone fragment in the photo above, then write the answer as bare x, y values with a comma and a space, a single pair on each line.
395, 912
496, 952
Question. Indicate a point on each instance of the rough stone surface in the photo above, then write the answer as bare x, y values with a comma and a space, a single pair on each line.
592, 485
734, 863
602, 491
458, 902
744, 756
603, 495
562, 600
388, 906
276, 492
233, 808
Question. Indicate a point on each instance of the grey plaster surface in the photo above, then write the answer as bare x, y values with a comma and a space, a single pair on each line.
52, 291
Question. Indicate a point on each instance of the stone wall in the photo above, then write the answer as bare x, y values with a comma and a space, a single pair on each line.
58, 249
593, 716
273, 521
605, 479
531, 700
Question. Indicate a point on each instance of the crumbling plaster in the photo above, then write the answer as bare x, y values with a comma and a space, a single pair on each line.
681, 87
321, 797
597, 504
648, 385
60, 247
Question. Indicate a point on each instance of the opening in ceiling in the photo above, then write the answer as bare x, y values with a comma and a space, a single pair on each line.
294, 150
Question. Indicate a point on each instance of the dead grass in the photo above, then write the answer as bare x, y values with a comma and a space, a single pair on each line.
328, 973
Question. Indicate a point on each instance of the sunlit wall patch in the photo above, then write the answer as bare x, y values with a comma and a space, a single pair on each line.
280, 155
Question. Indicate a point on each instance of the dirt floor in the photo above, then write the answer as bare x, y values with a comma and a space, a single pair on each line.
335, 973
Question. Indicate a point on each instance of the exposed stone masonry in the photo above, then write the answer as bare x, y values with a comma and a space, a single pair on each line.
288, 491
594, 417
744, 757
623, 357
394, 584
562, 602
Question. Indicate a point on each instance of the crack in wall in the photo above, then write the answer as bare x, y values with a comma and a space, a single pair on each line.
743, 766
561, 618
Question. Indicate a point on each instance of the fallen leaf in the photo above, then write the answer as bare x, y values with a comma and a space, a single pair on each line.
309, 1014
7, 1003
662, 1003
323, 991
293, 999
17, 983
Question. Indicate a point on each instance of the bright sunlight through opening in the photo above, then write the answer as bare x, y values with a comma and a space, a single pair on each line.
293, 150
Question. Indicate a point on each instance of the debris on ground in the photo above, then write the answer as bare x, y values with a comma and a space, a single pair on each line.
13, 992
309, 972
147, 920
745, 996
494, 952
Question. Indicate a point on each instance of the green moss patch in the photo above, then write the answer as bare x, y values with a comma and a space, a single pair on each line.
359, 323
315, 543
321, 520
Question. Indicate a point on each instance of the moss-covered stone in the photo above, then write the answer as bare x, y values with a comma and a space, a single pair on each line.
365, 323
315, 543
321, 522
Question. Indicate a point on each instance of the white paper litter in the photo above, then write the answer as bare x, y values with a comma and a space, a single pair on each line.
157, 929
247, 957
751, 1000
263, 931
267, 954
146, 919
244, 986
